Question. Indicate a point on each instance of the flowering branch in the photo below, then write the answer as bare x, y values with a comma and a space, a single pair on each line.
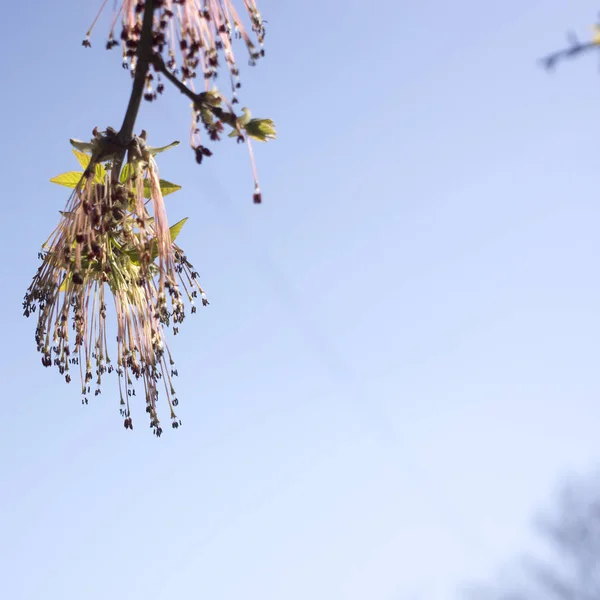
144, 51
159, 64
211, 101
115, 144
204, 33
113, 238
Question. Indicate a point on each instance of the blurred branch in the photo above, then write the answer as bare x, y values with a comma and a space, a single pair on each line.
571, 568
574, 49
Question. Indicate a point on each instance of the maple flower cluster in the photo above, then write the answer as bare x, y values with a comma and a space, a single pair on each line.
113, 238
108, 238
192, 39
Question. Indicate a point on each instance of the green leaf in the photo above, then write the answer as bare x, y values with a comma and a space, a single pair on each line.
70, 179
126, 172
100, 174
82, 157
175, 230
166, 188
262, 130
84, 160
245, 118
212, 98
154, 151
134, 255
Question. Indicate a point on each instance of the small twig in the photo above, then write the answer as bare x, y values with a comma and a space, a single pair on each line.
199, 100
159, 64
549, 62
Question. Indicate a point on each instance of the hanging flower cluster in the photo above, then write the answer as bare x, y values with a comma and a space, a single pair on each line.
192, 35
113, 238
192, 39
113, 235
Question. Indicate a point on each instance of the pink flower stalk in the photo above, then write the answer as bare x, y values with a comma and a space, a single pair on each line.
191, 35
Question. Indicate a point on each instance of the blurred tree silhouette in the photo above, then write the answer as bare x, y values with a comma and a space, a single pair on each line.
571, 569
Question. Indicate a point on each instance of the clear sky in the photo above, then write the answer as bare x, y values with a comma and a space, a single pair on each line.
401, 357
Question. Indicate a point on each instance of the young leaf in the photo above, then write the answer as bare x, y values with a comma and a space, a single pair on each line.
175, 230
245, 118
166, 187
100, 173
70, 179
82, 157
155, 151
134, 256
126, 172
212, 98
262, 130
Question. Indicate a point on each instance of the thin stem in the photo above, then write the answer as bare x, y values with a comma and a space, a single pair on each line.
199, 100
159, 65
143, 55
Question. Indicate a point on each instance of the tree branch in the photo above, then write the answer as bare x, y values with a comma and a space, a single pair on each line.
143, 55
199, 100
159, 64
549, 62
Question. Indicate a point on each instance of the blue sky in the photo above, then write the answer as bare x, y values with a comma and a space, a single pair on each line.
400, 360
